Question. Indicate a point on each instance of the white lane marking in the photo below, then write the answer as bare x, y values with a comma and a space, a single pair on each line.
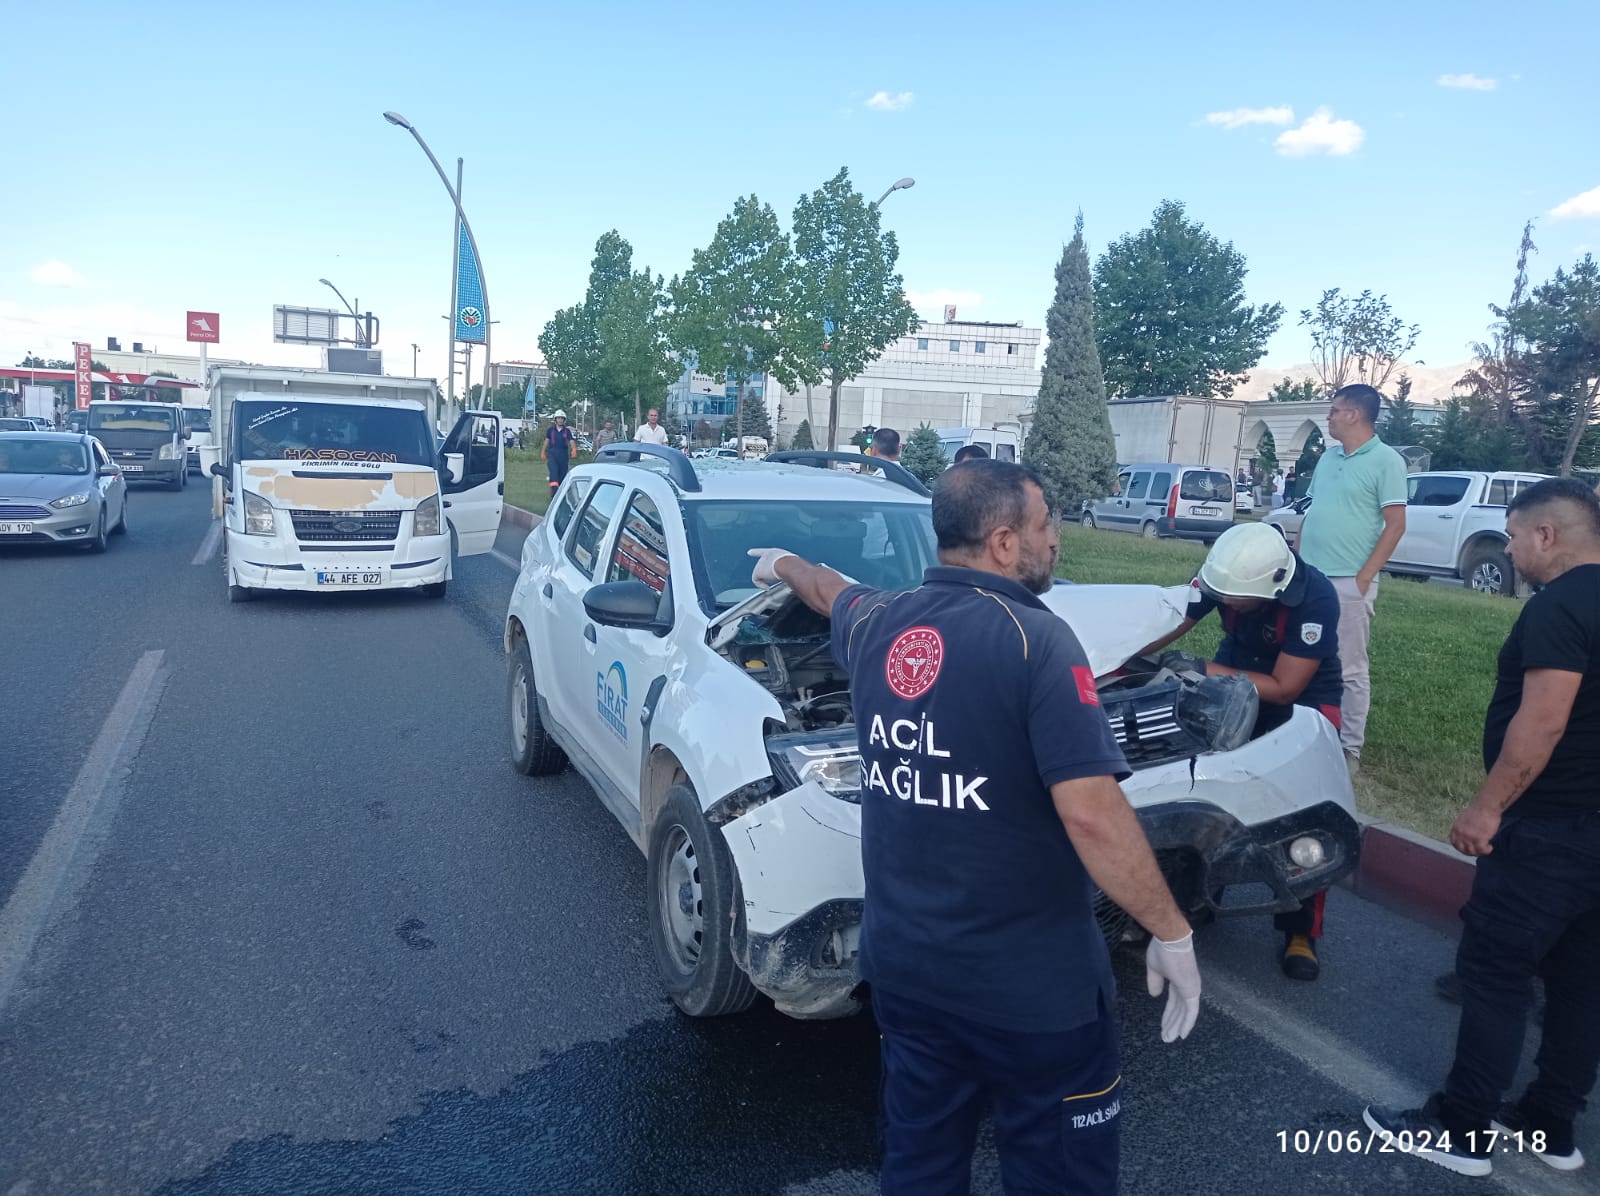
33, 904
208, 546
510, 562
1364, 1078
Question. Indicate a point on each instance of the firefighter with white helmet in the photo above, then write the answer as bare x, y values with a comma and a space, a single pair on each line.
1280, 622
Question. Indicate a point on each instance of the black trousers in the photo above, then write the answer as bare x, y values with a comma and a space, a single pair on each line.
1534, 910
1055, 1099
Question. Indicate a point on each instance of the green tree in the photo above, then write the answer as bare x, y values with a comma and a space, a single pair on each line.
923, 454
1306, 465
756, 420
1286, 391
1356, 340
571, 340
1560, 324
1169, 305
844, 293
1400, 426
1070, 442
727, 305
634, 358
802, 436
1267, 457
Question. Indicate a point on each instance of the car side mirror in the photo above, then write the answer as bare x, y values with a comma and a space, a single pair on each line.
630, 605
106, 471
455, 466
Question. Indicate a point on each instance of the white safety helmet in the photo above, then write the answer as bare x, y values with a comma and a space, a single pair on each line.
1249, 560
559, 415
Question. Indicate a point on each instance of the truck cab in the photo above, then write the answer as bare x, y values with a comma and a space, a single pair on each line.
1000, 441
1456, 527
146, 440
331, 491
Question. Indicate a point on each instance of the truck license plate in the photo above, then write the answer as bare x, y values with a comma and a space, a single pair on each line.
16, 529
349, 579
131, 468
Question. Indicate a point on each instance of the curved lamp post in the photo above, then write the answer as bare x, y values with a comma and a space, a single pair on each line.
902, 185
361, 338
394, 118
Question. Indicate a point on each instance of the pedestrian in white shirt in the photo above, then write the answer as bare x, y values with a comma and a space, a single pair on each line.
651, 431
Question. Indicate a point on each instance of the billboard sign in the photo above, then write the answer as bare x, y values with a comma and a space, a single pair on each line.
202, 326
82, 375
472, 317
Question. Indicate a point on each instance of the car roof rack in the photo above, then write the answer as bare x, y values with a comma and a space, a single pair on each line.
821, 458
679, 470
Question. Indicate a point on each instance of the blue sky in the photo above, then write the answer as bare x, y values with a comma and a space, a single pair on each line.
224, 156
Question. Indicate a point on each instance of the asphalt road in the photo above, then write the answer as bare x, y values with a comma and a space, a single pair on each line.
278, 917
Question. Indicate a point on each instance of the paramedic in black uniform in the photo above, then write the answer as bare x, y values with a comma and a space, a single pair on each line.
989, 808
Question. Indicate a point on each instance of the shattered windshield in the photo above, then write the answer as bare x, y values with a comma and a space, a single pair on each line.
295, 430
888, 545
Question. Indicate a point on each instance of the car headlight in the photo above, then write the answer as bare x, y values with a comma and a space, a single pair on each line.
257, 515
69, 500
426, 520
165, 453
830, 759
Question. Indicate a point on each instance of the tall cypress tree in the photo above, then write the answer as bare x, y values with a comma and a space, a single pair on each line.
1070, 443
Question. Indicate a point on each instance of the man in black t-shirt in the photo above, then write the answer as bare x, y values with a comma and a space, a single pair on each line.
989, 810
1280, 624
1534, 827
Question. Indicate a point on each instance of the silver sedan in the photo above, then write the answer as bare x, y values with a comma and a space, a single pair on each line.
59, 488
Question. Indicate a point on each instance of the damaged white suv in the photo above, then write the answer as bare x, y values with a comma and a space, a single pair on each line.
713, 722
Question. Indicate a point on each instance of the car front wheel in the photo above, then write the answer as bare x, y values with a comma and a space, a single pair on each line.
690, 901
533, 752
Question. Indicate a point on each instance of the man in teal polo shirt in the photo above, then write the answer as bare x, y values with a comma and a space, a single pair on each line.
1357, 516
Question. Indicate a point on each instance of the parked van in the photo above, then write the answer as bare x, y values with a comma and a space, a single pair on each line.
1160, 498
1001, 441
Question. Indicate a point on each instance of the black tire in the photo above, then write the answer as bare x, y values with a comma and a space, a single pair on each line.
122, 521
98, 543
1489, 571
177, 482
691, 897
240, 593
533, 752
436, 589
1087, 520
1149, 531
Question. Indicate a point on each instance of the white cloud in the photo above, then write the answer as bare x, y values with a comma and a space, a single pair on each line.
1579, 207
1236, 118
1321, 134
56, 274
937, 300
1468, 82
883, 101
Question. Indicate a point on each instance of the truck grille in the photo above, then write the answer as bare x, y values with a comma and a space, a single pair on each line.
326, 527
19, 511
133, 454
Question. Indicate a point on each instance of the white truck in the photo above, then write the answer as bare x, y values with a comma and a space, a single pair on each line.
197, 422
1179, 428
336, 481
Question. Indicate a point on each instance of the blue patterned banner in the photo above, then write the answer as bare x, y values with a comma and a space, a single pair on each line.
472, 316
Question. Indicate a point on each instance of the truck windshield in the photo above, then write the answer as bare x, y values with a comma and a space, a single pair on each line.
197, 419
295, 430
887, 546
133, 417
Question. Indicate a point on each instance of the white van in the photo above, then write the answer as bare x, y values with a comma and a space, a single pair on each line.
1162, 498
1002, 442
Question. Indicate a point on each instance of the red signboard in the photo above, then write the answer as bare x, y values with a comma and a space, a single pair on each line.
202, 326
83, 376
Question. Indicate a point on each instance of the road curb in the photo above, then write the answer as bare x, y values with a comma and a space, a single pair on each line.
1412, 874
517, 517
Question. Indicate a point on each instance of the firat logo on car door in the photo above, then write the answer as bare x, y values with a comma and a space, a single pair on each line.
611, 698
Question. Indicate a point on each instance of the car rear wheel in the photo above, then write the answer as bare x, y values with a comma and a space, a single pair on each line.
533, 752
1087, 519
691, 895
1149, 532
1489, 572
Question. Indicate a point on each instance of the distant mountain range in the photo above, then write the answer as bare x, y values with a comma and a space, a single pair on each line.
1430, 384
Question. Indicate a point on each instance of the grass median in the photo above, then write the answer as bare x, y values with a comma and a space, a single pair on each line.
528, 479
1433, 664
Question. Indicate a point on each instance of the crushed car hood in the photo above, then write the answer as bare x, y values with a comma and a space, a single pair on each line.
1111, 622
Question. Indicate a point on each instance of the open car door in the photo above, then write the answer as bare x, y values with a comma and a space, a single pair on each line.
473, 503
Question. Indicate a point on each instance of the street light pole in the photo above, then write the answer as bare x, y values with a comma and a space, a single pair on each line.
414, 348
360, 336
394, 118
902, 185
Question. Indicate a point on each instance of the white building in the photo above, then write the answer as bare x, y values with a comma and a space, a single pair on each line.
956, 374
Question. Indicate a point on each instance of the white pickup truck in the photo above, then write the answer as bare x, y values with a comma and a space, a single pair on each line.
1455, 527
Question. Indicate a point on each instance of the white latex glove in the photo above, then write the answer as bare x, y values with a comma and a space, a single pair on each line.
764, 574
1174, 963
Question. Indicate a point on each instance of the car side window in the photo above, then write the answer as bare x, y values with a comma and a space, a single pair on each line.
568, 506
641, 551
592, 525
1436, 492
1121, 487
1499, 492
100, 457
1139, 485
1160, 486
